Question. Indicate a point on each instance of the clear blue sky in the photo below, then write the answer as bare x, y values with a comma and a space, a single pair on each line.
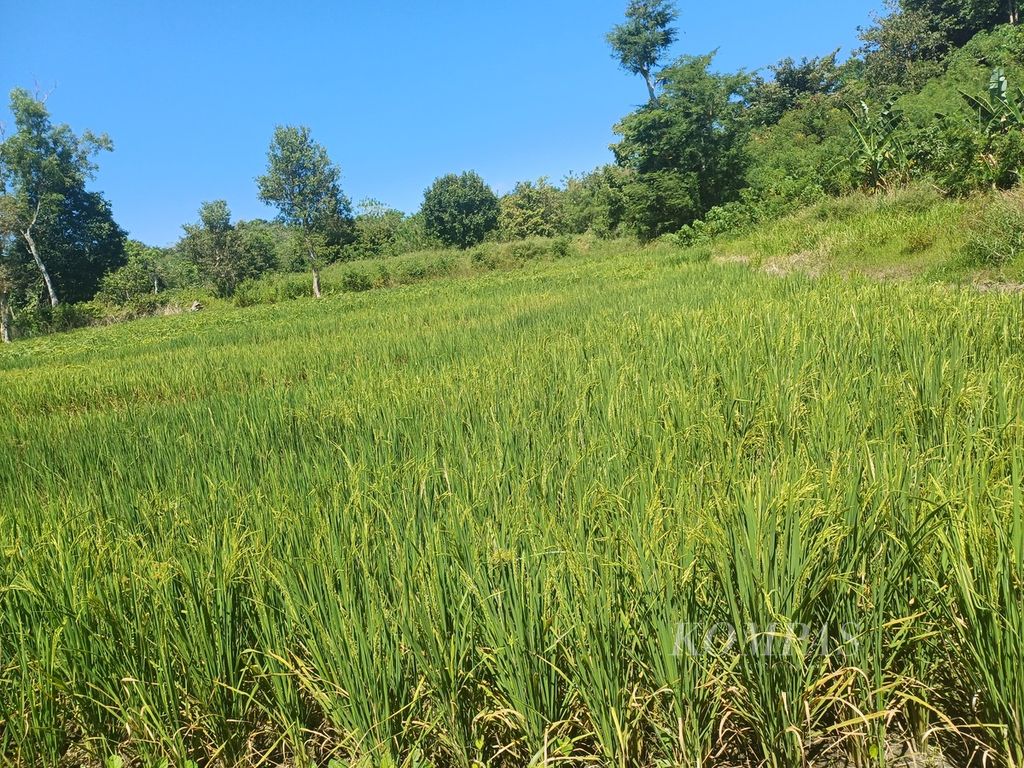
399, 92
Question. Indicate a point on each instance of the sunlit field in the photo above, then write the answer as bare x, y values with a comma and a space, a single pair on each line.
615, 509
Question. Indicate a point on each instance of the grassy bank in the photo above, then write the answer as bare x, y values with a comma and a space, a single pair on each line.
909, 234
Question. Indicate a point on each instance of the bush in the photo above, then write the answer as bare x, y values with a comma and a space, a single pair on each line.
561, 247
527, 250
531, 210
271, 289
356, 281
483, 258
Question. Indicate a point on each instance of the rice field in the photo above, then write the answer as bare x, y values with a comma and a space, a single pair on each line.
615, 510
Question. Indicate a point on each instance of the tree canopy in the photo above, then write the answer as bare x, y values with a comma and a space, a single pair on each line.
642, 39
460, 210
67, 231
227, 254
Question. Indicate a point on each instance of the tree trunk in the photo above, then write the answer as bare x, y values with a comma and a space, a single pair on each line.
27, 234
650, 87
316, 273
5, 318
1014, 12
316, 282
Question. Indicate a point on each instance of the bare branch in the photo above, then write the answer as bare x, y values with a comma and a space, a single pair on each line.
41, 95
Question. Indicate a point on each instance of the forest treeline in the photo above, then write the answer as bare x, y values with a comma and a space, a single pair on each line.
932, 96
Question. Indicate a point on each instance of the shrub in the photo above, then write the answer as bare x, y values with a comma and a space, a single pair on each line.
355, 281
65, 317
482, 257
561, 247
271, 289
527, 250
531, 210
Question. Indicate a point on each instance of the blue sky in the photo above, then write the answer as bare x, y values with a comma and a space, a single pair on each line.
399, 92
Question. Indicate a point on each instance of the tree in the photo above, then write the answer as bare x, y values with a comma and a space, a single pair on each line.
6, 285
147, 272
5, 312
66, 231
595, 202
381, 231
902, 50
791, 84
531, 210
460, 210
226, 254
688, 150
960, 20
304, 186
906, 47
642, 40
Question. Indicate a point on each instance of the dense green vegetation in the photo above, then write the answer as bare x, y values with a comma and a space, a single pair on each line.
463, 522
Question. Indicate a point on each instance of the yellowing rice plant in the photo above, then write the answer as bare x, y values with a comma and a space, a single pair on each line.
616, 510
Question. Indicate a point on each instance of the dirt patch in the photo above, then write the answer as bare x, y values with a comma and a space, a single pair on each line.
995, 287
805, 263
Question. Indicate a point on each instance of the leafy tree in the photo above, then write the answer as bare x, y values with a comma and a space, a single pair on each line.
595, 202
382, 232
907, 47
792, 83
531, 210
304, 185
693, 139
65, 230
802, 154
460, 210
902, 51
224, 253
377, 230
645, 36
412, 235
6, 288
662, 201
138, 276
960, 20
5, 306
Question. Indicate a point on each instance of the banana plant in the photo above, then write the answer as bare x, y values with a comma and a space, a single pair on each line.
880, 158
1003, 109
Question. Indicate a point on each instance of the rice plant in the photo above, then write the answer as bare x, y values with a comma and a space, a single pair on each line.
619, 509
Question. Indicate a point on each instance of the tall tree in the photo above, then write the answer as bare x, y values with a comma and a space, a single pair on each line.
6, 280
67, 231
304, 185
792, 83
641, 41
687, 151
